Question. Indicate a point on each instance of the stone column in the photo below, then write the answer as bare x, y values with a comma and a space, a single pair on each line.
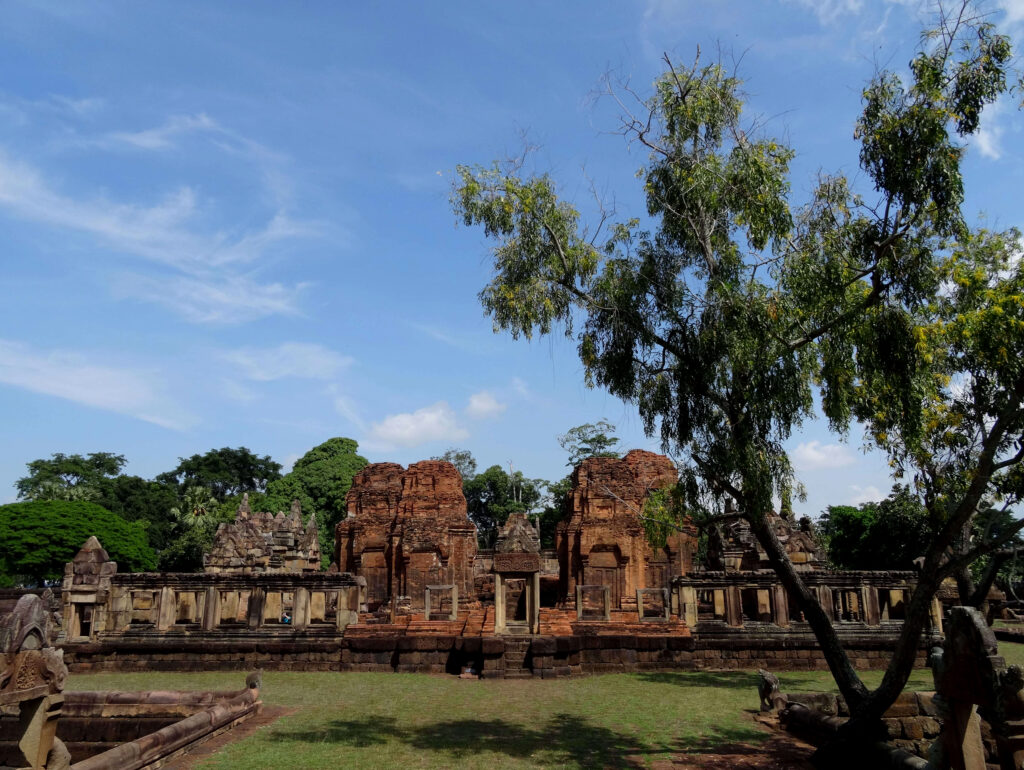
499, 604
688, 605
718, 597
871, 613
826, 600
254, 615
455, 602
300, 610
733, 607
935, 614
211, 609
535, 610
781, 609
167, 613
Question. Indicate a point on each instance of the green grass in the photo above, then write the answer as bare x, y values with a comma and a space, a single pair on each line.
420, 721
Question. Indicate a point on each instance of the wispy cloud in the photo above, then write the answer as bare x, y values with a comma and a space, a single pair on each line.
166, 233
828, 11
162, 137
1013, 9
455, 340
77, 378
302, 360
813, 455
347, 408
437, 422
484, 405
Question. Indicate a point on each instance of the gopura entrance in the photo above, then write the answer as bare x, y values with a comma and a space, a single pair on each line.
517, 577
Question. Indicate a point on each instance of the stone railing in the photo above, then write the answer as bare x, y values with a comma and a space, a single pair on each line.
98, 603
723, 600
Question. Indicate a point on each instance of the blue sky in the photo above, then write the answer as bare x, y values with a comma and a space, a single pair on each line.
227, 224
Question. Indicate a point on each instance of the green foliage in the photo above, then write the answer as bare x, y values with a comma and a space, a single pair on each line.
589, 440
40, 537
557, 504
319, 480
68, 477
463, 461
888, 534
225, 472
722, 323
493, 494
137, 499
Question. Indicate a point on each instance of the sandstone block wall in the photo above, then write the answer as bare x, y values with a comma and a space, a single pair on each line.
407, 529
602, 541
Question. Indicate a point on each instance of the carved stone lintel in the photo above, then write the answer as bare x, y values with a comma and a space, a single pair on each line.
517, 562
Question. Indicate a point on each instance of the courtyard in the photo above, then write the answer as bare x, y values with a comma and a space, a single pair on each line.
366, 720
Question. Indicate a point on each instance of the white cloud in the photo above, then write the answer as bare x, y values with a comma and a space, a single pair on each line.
302, 360
1014, 11
205, 286
868, 494
813, 455
436, 422
988, 138
483, 405
162, 137
77, 378
521, 388
227, 299
828, 11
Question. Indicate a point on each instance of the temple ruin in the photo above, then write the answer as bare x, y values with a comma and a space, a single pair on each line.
603, 543
261, 542
407, 529
409, 590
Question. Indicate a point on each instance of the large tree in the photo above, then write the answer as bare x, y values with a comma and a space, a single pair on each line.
320, 481
720, 323
494, 494
225, 472
68, 477
39, 538
888, 534
589, 440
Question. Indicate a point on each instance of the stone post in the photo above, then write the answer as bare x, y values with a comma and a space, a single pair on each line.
733, 607
781, 608
935, 614
688, 605
167, 612
300, 610
718, 598
254, 614
535, 611
211, 609
764, 605
871, 613
499, 603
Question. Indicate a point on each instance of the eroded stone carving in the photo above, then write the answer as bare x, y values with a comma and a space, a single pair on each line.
602, 541
32, 677
260, 542
407, 529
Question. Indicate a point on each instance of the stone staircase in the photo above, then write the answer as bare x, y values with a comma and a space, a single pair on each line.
516, 650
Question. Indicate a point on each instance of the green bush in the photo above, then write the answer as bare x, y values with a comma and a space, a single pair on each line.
40, 537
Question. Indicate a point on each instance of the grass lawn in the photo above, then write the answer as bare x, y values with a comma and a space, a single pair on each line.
420, 721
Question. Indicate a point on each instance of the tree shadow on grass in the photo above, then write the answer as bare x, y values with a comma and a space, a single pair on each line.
565, 739
732, 680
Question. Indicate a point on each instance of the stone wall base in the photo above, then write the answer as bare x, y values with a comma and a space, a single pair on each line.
546, 656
